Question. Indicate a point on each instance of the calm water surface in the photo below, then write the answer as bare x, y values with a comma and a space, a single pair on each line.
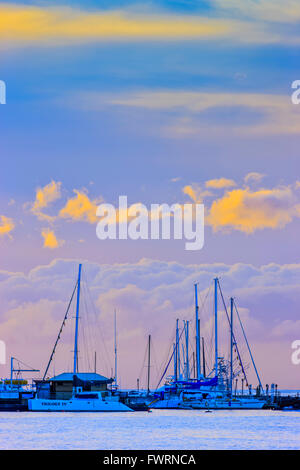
160, 429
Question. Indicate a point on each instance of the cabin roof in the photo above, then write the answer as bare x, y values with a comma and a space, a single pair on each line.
89, 376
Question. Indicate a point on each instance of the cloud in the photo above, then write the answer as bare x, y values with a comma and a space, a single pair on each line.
36, 23
265, 10
262, 113
253, 177
80, 208
149, 295
44, 197
220, 183
6, 225
50, 240
61, 25
248, 211
195, 192
174, 180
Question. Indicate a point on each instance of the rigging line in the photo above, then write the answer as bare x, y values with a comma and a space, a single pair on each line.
205, 298
90, 336
85, 352
233, 335
23, 363
86, 335
252, 359
60, 331
143, 364
154, 358
170, 359
107, 358
164, 362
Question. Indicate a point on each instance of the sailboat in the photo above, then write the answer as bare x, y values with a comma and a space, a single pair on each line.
53, 394
216, 390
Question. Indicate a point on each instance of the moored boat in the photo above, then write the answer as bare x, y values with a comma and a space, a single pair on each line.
80, 392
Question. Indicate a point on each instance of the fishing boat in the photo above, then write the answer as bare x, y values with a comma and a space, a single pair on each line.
75, 392
15, 391
212, 389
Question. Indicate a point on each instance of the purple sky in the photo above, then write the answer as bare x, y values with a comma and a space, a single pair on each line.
197, 111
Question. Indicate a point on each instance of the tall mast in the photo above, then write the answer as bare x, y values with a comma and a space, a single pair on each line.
174, 359
194, 370
216, 325
11, 370
231, 344
75, 368
149, 358
203, 357
177, 353
116, 351
249, 349
198, 356
187, 370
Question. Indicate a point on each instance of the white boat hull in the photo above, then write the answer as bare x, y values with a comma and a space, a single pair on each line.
212, 404
224, 405
40, 404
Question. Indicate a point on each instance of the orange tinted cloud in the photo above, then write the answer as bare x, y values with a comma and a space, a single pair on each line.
189, 191
220, 183
6, 225
44, 197
248, 211
20, 22
50, 240
80, 208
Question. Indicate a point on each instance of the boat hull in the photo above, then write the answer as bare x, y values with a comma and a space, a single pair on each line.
39, 404
209, 404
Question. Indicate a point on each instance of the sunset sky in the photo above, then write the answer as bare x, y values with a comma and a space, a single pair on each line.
165, 102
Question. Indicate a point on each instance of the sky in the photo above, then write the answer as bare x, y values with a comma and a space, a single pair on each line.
165, 102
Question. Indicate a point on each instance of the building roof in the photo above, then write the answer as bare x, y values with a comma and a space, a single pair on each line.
88, 376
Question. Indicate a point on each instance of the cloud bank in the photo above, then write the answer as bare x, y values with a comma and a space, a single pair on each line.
149, 296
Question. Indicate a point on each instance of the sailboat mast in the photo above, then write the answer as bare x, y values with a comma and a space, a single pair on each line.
203, 357
198, 356
216, 325
116, 351
174, 360
149, 359
11, 370
177, 352
187, 350
76, 324
231, 344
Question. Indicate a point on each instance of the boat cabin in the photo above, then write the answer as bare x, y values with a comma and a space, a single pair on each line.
61, 386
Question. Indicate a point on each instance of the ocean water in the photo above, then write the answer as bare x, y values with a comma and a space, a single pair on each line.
160, 429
